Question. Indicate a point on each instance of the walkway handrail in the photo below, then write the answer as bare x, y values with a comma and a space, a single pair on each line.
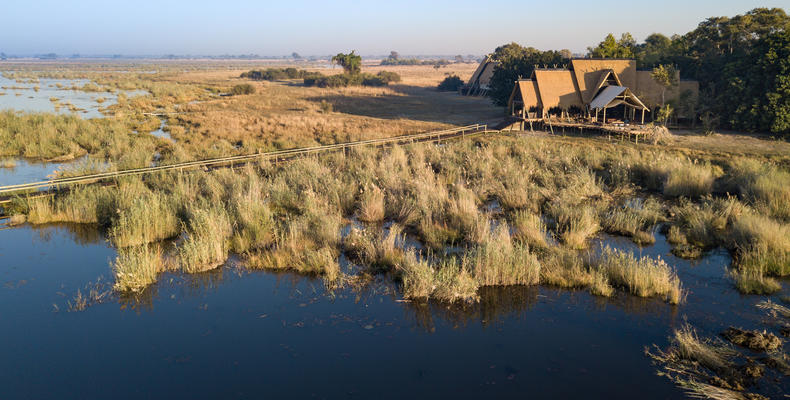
436, 135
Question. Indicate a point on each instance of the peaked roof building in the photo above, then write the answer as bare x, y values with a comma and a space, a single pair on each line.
591, 85
478, 84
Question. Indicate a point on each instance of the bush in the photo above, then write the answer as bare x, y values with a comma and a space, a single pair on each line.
388, 77
244, 88
273, 74
450, 84
383, 78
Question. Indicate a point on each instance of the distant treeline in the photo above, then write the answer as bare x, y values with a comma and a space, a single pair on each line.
414, 61
742, 65
318, 79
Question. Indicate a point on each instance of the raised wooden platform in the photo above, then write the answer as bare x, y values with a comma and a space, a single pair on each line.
555, 126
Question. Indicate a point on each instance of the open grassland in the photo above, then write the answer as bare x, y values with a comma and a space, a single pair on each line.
447, 221
206, 123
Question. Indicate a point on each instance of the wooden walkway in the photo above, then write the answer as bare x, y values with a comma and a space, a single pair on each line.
48, 187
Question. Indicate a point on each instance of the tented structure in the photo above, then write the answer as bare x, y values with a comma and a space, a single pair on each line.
613, 96
573, 90
478, 84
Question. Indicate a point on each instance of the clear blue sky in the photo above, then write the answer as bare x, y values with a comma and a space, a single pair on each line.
313, 27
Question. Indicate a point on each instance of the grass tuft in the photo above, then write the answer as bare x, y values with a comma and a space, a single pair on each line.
644, 277
137, 267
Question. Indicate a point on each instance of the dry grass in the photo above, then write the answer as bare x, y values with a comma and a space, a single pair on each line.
689, 179
530, 229
575, 224
754, 281
147, 219
137, 267
763, 244
500, 261
207, 244
643, 277
371, 205
447, 282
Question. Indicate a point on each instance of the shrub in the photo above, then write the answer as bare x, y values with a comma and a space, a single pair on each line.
450, 84
272, 74
388, 77
244, 88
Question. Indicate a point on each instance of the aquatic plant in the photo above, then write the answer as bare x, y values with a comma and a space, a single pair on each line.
644, 277
137, 267
689, 179
207, 242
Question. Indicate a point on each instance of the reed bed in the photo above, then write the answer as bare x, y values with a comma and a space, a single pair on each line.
489, 211
643, 277
137, 267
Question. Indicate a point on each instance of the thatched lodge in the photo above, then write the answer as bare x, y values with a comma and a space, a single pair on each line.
589, 88
478, 84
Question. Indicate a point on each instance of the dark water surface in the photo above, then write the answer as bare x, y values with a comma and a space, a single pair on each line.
238, 334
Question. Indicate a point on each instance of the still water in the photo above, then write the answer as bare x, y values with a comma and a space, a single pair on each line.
23, 96
233, 333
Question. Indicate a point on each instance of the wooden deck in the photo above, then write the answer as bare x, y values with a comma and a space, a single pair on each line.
555, 126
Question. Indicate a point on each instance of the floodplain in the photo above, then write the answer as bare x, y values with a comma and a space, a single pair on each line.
494, 265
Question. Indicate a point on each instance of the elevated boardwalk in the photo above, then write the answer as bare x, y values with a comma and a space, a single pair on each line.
52, 186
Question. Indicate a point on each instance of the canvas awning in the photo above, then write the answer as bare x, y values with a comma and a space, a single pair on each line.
612, 96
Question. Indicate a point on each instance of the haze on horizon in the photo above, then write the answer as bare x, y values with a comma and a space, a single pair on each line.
312, 27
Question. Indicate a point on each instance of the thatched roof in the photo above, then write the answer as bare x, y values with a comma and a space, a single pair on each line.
526, 91
481, 78
557, 88
588, 72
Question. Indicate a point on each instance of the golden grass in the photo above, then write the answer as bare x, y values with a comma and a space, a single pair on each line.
763, 243
147, 219
754, 281
137, 267
207, 243
500, 261
689, 180
643, 277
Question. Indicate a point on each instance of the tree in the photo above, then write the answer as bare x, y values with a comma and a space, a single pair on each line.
666, 76
664, 113
514, 62
296, 56
351, 62
566, 54
655, 48
394, 55
459, 58
612, 48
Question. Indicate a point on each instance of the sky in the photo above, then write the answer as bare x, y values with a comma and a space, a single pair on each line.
316, 27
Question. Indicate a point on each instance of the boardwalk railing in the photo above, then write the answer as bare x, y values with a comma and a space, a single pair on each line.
6, 192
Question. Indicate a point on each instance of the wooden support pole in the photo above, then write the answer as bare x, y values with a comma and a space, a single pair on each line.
643, 116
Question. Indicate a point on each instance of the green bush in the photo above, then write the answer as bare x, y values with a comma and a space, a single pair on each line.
388, 77
273, 74
344, 80
450, 84
244, 88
